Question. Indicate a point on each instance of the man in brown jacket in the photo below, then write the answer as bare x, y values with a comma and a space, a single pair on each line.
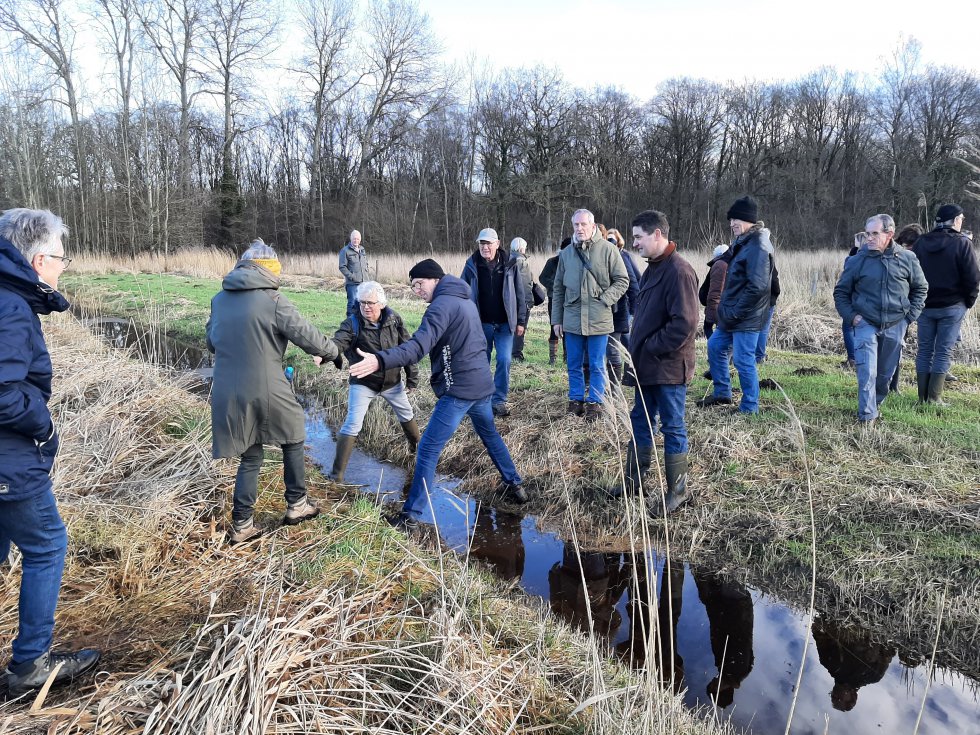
662, 352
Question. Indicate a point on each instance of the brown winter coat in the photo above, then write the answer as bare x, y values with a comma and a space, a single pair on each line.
250, 326
665, 322
716, 284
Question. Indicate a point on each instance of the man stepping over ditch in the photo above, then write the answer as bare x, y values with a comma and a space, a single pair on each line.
662, 352
451, 334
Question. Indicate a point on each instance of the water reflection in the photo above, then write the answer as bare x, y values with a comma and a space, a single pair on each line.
851, 657
730, 612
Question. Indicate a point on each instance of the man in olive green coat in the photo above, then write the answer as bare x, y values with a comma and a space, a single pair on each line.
590, 279
252, 403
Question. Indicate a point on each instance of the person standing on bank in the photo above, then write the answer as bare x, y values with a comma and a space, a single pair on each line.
742, 311
451, 334
662, 350
374, 326
950, 267
498, 293
547, 279
881, 291
252, 403
32, 259
354, 267
623, 311
589, 280
518, 253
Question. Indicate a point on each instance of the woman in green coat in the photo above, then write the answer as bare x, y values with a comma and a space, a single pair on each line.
252, 403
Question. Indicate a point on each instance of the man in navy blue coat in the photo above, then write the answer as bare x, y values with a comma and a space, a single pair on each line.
451, 334
32, 258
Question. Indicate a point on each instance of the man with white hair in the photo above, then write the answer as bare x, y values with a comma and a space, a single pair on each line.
518, 254
354, 267
32, 258
590, 278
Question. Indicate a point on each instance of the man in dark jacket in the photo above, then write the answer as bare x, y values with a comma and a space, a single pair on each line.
498, 293
451, 334
32, 258
881, 291
662, 352
547, 279
373, 327
950, 266
743, 308
623, 311
354, 267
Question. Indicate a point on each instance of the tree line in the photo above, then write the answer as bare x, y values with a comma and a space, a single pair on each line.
364, 126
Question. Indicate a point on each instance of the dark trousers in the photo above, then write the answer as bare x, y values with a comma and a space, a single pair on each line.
247, 479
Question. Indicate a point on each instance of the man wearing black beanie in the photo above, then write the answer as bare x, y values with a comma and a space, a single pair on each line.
451, 334
743, 309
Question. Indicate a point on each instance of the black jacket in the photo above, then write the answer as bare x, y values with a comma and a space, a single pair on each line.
626, 306
744, 303
391, 332
950, 267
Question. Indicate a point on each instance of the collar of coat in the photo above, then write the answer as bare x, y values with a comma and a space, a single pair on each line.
671, 247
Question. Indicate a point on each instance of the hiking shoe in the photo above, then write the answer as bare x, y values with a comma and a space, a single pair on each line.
515, 492
404, 522
714, 401
242, 532
950, 378
576, 408
501, 409
706, 375
593, 412
32, 675
301, 510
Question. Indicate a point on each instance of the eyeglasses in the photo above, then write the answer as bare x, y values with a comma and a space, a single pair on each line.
416, 286
371, 304
65, 262
872, 235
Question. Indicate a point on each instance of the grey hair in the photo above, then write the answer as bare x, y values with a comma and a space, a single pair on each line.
887, 223
584, 211
354, 232
518, 245
32, 231
258, 250
372, 287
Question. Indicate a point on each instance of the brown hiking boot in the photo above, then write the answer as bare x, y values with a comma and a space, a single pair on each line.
593, 412
301, 510
242, 532
576, 408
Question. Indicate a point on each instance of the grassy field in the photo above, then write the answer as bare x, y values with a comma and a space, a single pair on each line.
340, 625
887, 520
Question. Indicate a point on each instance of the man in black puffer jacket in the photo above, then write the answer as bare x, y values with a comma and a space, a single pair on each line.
32, 258
451, 334
743, 309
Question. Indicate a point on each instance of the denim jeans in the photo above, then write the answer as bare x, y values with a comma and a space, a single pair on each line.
669, 401
351, 289
576, 345
445, 419
500, 337
938, 332
739, 347
848, 331
876, 354
35, 527
359, 399
247, 478
760, 348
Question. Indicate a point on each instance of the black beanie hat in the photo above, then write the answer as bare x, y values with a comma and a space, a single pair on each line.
948, 212
745, 209
427, 268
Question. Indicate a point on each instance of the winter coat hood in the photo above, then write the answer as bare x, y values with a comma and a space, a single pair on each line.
17, 275
248, 276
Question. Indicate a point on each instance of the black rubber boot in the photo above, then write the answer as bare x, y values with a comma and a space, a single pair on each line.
934, 391
411, 429
345, 445
675, 469
922, 383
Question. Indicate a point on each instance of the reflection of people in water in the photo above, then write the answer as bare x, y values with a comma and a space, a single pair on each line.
664, 638
588, 583
852, 658
730, 619
497, 540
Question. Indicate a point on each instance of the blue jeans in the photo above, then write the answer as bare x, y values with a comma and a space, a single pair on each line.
445, 419
938, 332
848, 331
576, 345
669, 401
35, 527
876, 354
359, 399
760, 348
351, 289
500, 336
739, 347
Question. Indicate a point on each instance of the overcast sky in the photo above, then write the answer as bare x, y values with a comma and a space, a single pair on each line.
636, 44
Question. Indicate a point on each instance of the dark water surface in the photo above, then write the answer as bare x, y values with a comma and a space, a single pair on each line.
715, 639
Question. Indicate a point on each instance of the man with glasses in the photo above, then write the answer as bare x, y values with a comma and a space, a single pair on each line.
451, 334
32, 258
374, 326
881, 291
497, 291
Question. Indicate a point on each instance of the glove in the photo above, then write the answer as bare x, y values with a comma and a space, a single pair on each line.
708, 326
338, 362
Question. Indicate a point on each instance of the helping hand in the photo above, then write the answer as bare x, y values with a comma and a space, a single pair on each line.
366, 366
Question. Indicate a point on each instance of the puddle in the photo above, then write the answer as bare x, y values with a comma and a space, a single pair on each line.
716, 639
